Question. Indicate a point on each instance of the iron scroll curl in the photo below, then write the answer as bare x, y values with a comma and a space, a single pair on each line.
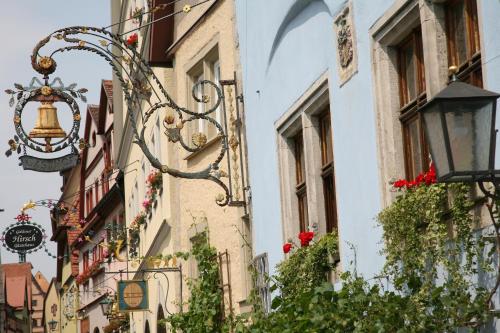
145, 95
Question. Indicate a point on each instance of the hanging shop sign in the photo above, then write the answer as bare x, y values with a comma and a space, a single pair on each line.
23, 237
47, 137
132, 295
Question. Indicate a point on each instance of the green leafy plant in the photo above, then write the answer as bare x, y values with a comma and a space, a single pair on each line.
306, 268
433, 256
204, 308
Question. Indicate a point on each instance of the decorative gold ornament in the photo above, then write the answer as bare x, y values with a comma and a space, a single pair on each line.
170, 118
157, 263
48, 146
12, 144
46, 91
233, 142
199, 139
17, 119
205, 98
45, 62
82, 144
77, 117
127, 60
29, 205
47, 125
180, 124
103, 42
58, 36
219, 197
81, 43
186, 9
119, 246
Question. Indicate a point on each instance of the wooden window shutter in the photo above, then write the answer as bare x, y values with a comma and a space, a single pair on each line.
161, 34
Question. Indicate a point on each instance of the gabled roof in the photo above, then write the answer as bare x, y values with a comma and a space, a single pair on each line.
71, 229
41, 282
105, 100
93, 110
17, 284
53, 285
108, 88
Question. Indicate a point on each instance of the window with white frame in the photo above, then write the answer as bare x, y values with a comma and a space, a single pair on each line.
307, 166
207, 68
262, 281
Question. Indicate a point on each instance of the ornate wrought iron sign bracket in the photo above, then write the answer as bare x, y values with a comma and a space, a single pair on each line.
144, 95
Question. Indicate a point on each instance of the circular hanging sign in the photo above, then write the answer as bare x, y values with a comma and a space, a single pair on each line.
24, 237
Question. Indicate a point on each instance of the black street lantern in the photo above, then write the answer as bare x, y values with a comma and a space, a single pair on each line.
460, 130
53, 325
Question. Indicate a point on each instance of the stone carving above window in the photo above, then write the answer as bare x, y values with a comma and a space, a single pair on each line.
347, 62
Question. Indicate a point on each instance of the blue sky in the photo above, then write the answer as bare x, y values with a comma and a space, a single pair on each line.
23, 24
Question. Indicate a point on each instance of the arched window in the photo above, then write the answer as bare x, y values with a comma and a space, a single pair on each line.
159, 317
96, 330
146, 330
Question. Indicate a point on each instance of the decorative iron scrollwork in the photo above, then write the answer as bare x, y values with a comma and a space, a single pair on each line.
144, 95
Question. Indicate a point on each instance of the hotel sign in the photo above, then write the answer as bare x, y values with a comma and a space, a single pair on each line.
24, 237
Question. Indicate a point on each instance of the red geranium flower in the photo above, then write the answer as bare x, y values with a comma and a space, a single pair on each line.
287, 247
430, 176
306, 238
427, 178
400, 183
132, 40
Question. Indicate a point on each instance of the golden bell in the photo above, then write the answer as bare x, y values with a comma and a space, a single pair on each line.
47, 125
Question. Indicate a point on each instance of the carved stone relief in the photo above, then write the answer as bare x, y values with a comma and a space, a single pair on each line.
347, 60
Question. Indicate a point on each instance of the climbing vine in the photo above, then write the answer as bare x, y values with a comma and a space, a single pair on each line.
204, 308
433, 257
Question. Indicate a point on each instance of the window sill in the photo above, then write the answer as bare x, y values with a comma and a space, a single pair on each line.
211, 142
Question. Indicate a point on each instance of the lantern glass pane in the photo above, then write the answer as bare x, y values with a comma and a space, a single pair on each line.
435, 139
469, 130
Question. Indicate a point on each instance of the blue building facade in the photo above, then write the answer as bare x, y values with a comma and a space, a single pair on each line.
293, 54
